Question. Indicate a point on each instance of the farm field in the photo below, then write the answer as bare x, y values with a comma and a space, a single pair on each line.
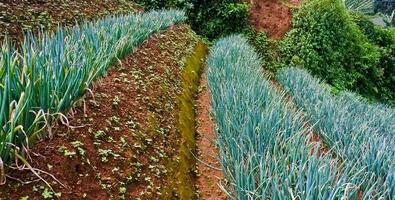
230, 99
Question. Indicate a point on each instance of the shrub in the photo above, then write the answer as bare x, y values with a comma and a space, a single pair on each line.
213, 18
326, 41
260, 42
210, 18
384, 39
155, 4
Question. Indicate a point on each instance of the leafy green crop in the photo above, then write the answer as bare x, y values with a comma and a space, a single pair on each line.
356, 131
50, 72
19, 16
264, 145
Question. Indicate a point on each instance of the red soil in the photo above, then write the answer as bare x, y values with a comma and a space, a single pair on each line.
208, 163
271, 16
135, 105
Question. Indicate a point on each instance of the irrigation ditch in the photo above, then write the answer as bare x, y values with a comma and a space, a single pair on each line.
184, 176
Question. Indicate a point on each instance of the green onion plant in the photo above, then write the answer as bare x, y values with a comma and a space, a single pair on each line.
358, 132
50, 71
265, 146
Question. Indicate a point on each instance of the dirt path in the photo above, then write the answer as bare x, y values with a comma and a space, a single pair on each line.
272, 16
208, 163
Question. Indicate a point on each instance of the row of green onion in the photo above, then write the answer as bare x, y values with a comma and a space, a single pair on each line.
265, 146
357, 131
49, 72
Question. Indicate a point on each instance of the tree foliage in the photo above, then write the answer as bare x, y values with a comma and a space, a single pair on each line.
214, 18
327, 41
384, 39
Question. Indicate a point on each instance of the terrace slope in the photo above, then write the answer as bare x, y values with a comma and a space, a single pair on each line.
123, 139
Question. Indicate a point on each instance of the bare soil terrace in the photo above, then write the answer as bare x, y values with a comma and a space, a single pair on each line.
272, 16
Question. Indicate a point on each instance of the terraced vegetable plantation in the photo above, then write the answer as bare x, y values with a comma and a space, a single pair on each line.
230, 99
55, 70
120, 141
265, 147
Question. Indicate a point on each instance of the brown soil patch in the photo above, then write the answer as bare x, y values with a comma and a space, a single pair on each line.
272, 16
128, 135
208, 163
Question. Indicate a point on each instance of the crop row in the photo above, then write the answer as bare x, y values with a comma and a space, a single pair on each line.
48, 73
265, 147
357, 131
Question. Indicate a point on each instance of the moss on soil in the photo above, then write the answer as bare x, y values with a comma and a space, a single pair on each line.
187, 122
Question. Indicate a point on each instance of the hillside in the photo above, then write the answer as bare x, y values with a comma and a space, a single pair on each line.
231, 99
